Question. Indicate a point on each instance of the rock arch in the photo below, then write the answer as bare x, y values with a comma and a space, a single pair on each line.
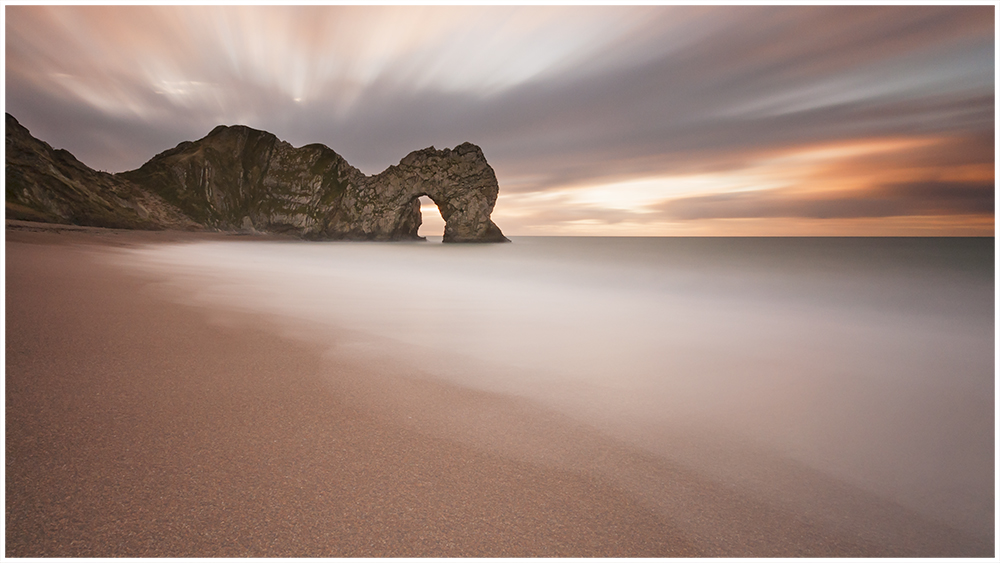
459, 181
237, 177
424, 201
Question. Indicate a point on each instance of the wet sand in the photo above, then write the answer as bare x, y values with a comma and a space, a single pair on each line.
139, 427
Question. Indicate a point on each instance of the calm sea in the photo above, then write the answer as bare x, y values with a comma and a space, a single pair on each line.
869, 359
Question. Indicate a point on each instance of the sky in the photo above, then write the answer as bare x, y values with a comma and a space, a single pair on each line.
598, 120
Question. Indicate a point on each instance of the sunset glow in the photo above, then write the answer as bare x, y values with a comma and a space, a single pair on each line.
657, 120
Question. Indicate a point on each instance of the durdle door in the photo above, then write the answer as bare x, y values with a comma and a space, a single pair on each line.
459, 181
246, 180
241, 178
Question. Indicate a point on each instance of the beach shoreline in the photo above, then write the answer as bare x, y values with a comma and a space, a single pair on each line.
141, 427
135, 428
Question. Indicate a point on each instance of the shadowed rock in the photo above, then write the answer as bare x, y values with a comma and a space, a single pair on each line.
52, 186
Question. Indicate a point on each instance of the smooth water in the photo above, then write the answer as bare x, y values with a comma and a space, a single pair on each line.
869, 359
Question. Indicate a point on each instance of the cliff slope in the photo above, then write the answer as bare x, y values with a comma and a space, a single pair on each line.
49, 185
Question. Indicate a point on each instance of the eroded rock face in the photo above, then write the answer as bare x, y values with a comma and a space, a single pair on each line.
52, 186
238, 178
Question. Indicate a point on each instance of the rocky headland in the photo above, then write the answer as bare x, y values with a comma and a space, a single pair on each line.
242, 179
51, 186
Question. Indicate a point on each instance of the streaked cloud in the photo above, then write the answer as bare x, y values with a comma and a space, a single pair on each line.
596, 119
889, 200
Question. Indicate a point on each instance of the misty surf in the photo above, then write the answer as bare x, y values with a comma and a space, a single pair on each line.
867, 359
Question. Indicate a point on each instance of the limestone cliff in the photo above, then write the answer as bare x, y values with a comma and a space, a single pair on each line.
51, 185
243, 178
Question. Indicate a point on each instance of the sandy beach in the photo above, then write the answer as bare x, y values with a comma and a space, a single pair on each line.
139, 427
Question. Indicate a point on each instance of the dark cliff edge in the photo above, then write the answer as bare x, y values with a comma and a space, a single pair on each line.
52, 186
241, 179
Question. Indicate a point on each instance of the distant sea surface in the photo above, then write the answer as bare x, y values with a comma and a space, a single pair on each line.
868, 359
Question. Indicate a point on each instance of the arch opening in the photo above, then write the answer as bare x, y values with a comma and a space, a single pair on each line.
431, 222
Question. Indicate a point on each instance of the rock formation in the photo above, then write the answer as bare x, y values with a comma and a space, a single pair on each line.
459, 181
242, 179
239, 178
43, 184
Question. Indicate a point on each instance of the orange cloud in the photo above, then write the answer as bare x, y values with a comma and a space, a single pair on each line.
916, 184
